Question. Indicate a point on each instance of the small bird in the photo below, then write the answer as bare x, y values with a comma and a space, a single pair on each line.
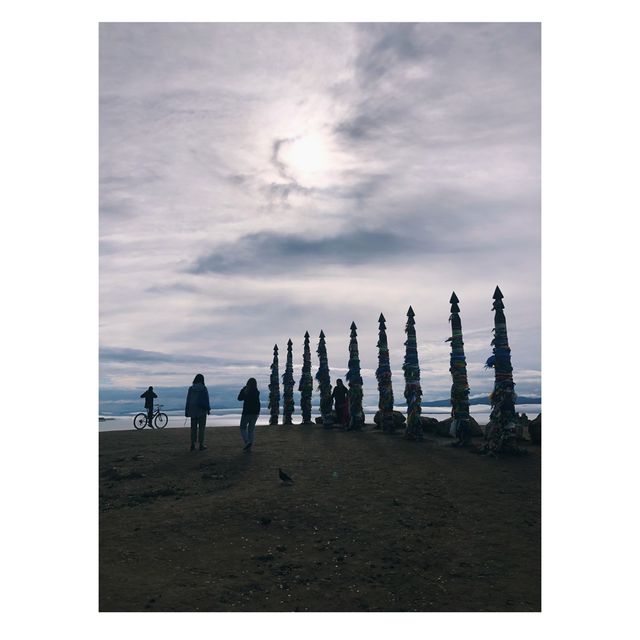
284, 477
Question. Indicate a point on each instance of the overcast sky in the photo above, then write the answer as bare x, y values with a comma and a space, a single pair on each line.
261, 180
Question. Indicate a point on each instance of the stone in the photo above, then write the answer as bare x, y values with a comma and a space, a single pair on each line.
442, 428
398, 420
429, 424
319, 419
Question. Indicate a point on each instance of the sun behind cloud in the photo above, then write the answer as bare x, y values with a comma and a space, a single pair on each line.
307, 157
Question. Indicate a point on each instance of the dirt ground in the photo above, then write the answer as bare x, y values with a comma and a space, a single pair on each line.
371, 523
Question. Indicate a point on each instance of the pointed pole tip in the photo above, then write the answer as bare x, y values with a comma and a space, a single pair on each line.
497, 293
381, 318
454, 298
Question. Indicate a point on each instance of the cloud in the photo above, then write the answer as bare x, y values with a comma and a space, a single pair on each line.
272, 252
277, 162
207, 236
172, 287
140, 356
388, 46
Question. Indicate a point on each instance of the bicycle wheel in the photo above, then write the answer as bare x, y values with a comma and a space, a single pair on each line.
161, 421
140, 421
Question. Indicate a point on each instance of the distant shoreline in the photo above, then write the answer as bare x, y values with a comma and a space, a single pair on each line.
369, 409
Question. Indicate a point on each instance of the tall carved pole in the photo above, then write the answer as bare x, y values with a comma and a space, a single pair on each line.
306, 382
500, 434
356, 418
412, 389
460, 383
288, 384
383, 375
274, 388
324, 383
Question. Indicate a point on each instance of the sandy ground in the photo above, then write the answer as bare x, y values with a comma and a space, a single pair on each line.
371, 523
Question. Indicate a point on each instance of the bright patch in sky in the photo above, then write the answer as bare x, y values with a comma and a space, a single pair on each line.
308, 157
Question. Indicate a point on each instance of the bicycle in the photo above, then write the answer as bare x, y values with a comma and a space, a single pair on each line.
159, 419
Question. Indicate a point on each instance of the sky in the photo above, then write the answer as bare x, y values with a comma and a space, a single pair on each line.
262, 180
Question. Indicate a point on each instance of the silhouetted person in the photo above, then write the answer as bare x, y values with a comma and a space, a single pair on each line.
250, 395
341, 397
197, 408
149, 396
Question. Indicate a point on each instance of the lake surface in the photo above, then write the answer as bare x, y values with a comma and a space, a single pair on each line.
228, 418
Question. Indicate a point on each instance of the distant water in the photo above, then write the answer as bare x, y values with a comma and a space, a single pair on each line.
222, 418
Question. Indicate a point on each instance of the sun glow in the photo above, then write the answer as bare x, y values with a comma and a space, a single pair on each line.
306, 156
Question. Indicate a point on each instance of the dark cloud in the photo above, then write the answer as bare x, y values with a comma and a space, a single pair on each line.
238, 178
280, 166
282, 191
359, 127
172, 287
107, 248
140, 356
443, 82
116, 208
388, 45
446, 224
273, 252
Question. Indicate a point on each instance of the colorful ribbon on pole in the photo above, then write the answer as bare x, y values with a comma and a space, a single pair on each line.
458, 370
356, 415
306, 382
274, 388
501, 434
324, 383
412, 389
288, 384
383, 376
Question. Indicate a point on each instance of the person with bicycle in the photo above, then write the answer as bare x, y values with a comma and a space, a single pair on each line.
149, 396
197, 408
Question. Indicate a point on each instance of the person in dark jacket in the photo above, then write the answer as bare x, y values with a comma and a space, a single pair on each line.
148, 396
250, 396
341, 396
197, 408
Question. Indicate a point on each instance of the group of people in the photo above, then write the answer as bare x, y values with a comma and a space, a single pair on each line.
198, 407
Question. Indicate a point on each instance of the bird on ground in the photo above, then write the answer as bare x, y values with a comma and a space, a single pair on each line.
284, 477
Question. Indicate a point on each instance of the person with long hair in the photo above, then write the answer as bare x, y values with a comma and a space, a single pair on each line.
197, 408
250, 396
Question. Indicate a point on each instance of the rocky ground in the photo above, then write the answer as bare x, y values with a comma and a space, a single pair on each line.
371, 523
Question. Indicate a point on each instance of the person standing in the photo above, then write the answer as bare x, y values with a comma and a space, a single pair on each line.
149, 396
341, 396
197, 407
250, 396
